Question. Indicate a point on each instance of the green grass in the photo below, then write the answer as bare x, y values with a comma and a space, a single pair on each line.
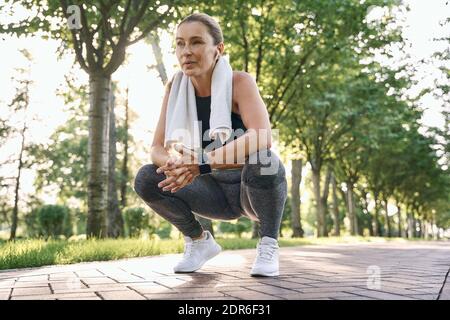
37, 252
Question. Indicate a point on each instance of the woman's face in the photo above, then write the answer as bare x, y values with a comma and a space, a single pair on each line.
195, 48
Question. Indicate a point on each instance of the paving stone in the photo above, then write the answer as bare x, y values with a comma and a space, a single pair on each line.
424, 296
38, 278
121, 295
445, 294
62, 276
26, 284
34, 297
31, 291
270, 289
5, 293
185, 295
108, 287
313, 295
99, 280
147, 289
352, 297
72, 284
89, 273
382, 295
252, 295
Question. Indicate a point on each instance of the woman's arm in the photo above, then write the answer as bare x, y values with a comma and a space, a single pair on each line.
255, 118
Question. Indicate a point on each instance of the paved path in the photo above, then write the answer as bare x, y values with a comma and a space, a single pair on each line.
412, 270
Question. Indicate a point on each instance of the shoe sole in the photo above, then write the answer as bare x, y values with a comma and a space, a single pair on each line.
270, 274
201, 265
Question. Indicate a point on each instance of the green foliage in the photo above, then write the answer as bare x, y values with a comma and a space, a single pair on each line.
49, 221
164, 229
105, 28
80, 221
237, 227
136, 221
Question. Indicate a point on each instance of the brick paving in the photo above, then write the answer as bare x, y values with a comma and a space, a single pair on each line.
362, 271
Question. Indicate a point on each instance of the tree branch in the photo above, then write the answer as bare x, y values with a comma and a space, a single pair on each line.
262, 30
244, 38
292, 79
150, 27
134, 21
124, 19
88, 39
77, 44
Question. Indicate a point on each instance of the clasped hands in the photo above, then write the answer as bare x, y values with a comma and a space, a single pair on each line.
180, 170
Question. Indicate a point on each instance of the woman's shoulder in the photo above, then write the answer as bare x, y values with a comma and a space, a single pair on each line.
242, 77
243, 82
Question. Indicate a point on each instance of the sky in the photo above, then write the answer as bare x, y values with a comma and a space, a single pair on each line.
145, 87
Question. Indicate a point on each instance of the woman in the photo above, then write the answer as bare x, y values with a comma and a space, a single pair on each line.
177, 186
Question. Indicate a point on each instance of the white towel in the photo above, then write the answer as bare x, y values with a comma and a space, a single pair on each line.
182, 125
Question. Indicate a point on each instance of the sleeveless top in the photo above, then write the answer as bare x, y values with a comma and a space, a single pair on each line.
203, 114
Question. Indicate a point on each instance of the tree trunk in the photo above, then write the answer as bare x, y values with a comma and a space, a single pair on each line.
98, 149
415, 224
336, 222
433, 225
351, 210
297, 230
320, 209
400, 229
115, 220
388, 223
421, 227
376, 226
344, 196
124, 170
15, 213
366, 208
410, 225
154, 40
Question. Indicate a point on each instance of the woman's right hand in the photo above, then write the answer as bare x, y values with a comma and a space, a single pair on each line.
176, 178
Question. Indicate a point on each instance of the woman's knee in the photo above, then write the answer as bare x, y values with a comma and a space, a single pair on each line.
146, 182
264, 169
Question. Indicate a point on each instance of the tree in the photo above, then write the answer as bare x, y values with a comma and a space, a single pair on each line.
20, 104
295, 200
114, 218
99, 35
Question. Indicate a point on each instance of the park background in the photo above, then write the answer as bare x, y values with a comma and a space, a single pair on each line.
358, 91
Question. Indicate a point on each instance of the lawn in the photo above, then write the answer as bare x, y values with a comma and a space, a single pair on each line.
38, 252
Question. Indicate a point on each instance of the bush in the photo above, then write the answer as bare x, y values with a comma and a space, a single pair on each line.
49, 221
164, 229
136, 221
237, 227
32, 224
80, 221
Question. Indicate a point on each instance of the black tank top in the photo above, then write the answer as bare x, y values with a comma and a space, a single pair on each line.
203, 114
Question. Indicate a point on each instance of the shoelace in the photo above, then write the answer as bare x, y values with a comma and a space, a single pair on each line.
266, 251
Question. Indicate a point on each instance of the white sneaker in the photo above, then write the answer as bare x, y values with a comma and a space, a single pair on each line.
197, 252
266, 261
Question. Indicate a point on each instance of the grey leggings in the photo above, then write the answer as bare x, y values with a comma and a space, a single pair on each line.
222, 195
